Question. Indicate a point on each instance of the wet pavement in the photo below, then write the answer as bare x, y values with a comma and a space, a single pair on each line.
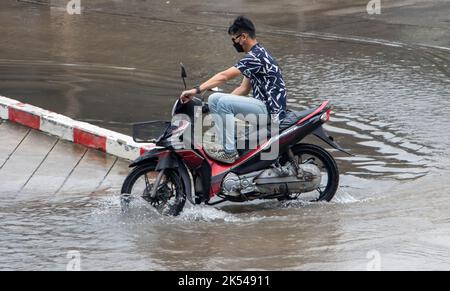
33, 164
387, 76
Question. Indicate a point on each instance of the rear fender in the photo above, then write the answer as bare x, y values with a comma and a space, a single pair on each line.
322, 134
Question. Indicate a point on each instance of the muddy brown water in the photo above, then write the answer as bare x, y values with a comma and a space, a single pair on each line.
391, 109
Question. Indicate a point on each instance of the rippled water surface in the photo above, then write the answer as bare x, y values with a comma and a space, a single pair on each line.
391, 110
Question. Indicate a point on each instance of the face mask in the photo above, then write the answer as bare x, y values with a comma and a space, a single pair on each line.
238, 47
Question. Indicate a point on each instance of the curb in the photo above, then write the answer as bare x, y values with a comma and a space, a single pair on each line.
78, 132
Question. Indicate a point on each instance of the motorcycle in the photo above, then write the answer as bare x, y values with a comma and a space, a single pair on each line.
168, 175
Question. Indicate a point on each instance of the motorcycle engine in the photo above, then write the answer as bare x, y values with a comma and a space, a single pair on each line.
231, 185
275, 180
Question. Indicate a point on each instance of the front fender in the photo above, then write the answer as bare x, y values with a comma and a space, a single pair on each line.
150, 156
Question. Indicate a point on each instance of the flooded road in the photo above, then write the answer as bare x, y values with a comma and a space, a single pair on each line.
116, 64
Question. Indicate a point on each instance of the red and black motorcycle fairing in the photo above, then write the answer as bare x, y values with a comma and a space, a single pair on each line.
202, 176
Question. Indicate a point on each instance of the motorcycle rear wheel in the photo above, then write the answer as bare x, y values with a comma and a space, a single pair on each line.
309, 153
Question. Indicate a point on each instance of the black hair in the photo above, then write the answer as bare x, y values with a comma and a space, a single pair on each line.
242, 24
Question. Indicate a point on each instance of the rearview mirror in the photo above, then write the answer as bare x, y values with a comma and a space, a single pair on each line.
183, 75
183, 71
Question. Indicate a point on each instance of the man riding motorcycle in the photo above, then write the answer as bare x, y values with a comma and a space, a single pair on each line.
260, 72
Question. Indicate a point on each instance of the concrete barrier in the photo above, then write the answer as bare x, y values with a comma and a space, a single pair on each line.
65, 128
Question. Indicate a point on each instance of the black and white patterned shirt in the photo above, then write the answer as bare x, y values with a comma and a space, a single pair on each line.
266, 79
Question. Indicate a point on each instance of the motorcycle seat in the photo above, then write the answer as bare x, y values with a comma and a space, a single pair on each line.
292, 117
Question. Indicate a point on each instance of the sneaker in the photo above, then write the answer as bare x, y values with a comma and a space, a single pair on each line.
212, 147
225, 157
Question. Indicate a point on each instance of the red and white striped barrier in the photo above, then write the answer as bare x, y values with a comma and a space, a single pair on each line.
61, 126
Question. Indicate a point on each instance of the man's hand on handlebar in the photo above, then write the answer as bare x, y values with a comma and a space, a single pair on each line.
187, 95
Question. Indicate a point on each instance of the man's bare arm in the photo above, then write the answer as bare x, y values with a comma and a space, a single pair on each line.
220, 78
215, 81
244, 88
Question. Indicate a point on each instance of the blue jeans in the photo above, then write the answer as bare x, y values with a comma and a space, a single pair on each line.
224, 108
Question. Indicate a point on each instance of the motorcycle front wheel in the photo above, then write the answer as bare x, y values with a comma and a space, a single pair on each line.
170, 195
